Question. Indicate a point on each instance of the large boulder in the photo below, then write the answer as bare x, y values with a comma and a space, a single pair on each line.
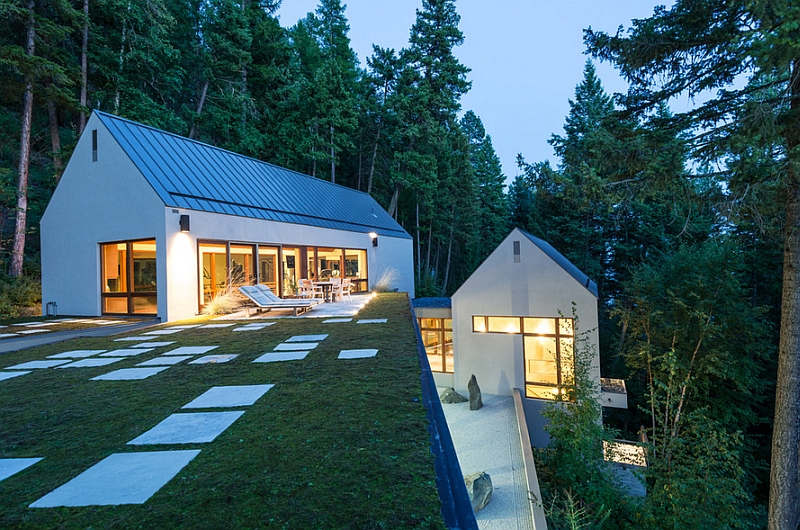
475, 401
479, 488
451, 396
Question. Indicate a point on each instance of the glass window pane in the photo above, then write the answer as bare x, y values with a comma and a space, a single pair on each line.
565, 326
355, 264
436, 363
115, 268
448, 352
115, 305
144, 305
504, 324
567, 362
268, 267
214, 262
540, 326
242, 272
330, 262
430, 323
289, 270
144, 266
448, 323
479, 324
541, 392
540, 360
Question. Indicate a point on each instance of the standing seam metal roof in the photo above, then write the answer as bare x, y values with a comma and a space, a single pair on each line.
196, 176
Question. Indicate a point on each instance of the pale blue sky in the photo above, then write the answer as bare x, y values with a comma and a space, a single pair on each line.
526, 58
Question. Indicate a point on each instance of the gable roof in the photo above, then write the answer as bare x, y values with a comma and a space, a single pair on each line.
197, 176
563, 262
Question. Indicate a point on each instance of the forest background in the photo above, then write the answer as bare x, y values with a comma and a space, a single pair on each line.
679, 217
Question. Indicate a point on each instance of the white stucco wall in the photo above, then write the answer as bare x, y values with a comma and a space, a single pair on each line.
536, 286
103, 201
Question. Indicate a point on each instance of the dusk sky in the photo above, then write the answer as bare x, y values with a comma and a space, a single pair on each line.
526, 58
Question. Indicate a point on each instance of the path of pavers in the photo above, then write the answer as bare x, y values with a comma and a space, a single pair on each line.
12, 466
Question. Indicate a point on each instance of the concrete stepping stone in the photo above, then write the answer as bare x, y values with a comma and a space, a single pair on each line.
213, 326
136, 338
126, 352
254, 327
190, 350
277, 356
32, 331
296, 346
75, 354
12, 375
89, 363
32, 365
106, 322
164, 331
42, 324
12, 466
121, 478
152, 345
165, 360
188, 428
228, 396
215, 359
357, 354
130, 374
7, 335
185, 326
307, 338
336, 320
372, 321
25, 324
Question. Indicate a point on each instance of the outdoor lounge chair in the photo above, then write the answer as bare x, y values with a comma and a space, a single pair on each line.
263, 298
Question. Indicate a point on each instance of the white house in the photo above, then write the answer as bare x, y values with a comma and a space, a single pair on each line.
144, 222
515, 323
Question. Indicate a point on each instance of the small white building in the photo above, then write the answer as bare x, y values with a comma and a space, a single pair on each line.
515, 323
144, 222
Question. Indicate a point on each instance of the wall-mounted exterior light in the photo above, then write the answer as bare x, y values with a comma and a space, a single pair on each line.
374, 237
184, 223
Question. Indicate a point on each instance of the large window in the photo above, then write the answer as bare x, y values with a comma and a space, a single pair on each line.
437, 337
548, 346
128, 277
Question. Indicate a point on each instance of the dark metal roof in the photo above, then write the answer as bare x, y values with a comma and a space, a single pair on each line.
563, 262
196, 176
431, 302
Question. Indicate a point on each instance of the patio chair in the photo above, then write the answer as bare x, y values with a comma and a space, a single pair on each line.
343, 289
258, 294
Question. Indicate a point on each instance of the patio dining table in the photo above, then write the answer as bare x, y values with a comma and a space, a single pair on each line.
327, 287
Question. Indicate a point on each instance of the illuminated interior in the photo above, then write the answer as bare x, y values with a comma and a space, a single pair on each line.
437, 337
548, 348
128, 277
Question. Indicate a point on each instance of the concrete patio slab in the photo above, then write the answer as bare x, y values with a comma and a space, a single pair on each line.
90, 363
165, 360
130, 374
357, 354
152, 344
136, 338
75, 354
276, 356
296, 346
12, 466
190, 350
228, 396
188, 428
12, 375
372, 321
337, 320
307, 338
126, 352
33, 365
214, 359
122, 478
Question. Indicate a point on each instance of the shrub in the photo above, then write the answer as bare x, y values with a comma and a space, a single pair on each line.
385, 280
221, 304
19, 296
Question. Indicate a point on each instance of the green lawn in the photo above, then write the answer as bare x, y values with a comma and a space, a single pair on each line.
335, 444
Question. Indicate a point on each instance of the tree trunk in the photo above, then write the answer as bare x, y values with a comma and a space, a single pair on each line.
17, 253
333, 159
394, 202
784, 484
419, 243
449, 255
84, 67
55, 138
200, 104
374, 157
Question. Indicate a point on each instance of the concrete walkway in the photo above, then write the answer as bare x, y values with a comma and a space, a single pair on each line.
31, 341
488, 440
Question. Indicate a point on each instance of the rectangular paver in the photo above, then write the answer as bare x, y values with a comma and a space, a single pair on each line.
132, 339
121, 478
228, 396
296, 346
130, 374
357, 354
215, 359
277, 356
188, 428
151, 345
164, 331
7, 335
372, 321
34, 365
126, 352
12, 375
337, 320
89, 363
12, 466
75, 354
307, 338
214, 326
190, 350
165, 360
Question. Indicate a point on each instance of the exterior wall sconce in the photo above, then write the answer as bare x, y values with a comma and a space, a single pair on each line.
374, 237
184, 223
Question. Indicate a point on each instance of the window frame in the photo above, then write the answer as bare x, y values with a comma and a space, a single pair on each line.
441, 330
